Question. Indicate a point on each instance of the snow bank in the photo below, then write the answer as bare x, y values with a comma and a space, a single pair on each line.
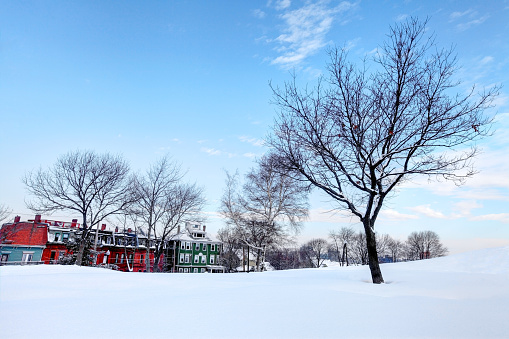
461, 296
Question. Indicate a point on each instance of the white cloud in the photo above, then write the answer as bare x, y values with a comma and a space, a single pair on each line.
474, 22
211, 151
258, 13
252, 141
457, 15
503, 217
305, 31
401, 17
249, 155
282, 4
426, 210
486, 60
395, 215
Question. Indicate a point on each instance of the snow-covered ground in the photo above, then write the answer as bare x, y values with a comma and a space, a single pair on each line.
460, 296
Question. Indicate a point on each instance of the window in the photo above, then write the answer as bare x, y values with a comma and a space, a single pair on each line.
212, 247
195, 270
131, 258
186, 270
202, 270
181, 270
197, 247
105, 259
122, 259
27, 256
187, 258
203, 259
57, 236
142, 258
5, 257
182, 245
181, 258
188, 245
211, 259
196, 259
116, 258
65, 237
205, 247
52, 255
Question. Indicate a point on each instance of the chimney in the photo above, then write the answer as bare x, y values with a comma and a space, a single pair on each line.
204, 228
74, 223
17, 219
103, 227
129, 230
178, 229
37, 219
116, 229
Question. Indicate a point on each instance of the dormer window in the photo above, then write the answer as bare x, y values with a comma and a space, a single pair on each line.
65, 237
57, 236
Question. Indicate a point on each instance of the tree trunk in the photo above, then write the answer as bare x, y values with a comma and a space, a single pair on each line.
374, 266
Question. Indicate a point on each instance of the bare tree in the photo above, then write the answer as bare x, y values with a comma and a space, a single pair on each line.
364, 130
5, 212
342, 241
184, 202
153, 190
269, 208
396, 248
359, 249
315, 251
93, 185
424, 245
229, 257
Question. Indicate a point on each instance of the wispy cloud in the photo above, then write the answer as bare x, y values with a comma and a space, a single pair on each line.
395, 215
282, 4
249, 155
427, 211
457, 15
503, 217
252, 141
305, 31
258, 13
486, 60
401, 17
470, 17
211, 151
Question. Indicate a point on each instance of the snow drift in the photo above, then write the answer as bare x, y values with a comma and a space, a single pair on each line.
460, 296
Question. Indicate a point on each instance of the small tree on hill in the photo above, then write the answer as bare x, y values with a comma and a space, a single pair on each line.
365, 130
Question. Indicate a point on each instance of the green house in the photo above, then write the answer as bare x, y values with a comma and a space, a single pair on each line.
196, 251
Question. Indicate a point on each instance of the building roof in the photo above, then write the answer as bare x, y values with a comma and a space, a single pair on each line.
24, 233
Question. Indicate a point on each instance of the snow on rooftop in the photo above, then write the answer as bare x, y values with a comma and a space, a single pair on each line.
460, 296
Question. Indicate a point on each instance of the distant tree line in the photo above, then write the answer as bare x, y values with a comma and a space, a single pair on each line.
348, 248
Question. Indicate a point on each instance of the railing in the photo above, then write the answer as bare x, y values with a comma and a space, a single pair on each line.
11, 263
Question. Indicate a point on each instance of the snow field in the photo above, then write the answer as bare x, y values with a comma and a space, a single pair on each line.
460, 296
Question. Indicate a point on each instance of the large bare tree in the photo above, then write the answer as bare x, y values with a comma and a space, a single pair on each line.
366, 128
270, 206
93, 185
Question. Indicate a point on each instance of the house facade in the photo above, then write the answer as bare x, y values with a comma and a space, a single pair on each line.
191, 250
195, 251
23, 242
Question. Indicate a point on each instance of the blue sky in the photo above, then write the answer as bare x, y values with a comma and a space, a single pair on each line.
190, 79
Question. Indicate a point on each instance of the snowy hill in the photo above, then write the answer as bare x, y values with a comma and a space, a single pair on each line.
460, 296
